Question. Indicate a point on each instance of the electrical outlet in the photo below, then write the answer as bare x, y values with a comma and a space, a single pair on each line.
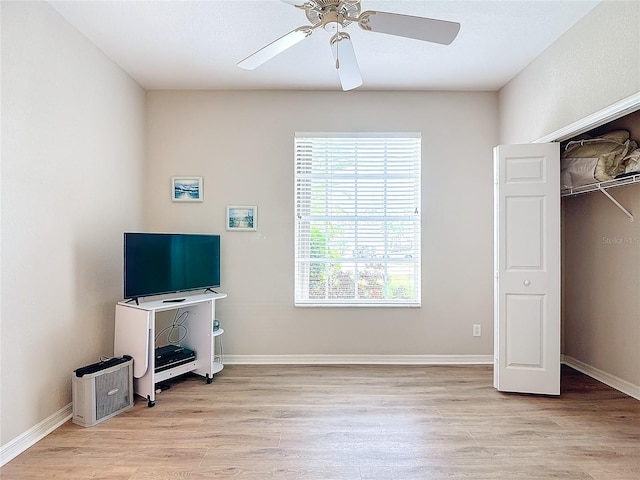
476, 331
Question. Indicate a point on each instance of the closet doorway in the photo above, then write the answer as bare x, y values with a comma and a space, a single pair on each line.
600, 263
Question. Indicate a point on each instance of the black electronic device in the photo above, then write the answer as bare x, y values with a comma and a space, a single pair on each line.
162, 263
168, 351
171, 356
101, 365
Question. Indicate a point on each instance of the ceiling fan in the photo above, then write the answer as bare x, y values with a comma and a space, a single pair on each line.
335, 15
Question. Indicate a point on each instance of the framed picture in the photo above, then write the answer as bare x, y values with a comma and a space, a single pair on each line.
242, 218
186, 189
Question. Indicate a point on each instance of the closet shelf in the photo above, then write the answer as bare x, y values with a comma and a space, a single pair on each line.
603, 187
592, 187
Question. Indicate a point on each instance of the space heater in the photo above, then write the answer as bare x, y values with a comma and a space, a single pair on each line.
102, 390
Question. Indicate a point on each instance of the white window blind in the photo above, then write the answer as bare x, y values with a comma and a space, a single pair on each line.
357, 232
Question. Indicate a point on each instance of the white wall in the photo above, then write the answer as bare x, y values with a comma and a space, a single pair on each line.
594, 65
242, 144
72, 164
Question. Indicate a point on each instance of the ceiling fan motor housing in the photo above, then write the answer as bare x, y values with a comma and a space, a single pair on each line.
331, 13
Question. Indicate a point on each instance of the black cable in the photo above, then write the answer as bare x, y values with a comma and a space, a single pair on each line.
176, 325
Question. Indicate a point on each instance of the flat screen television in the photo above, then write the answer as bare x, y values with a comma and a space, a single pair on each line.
162, 263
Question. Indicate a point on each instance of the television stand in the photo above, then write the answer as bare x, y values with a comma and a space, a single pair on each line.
135, 335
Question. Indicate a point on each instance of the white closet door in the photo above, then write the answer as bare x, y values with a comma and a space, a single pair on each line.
527, 268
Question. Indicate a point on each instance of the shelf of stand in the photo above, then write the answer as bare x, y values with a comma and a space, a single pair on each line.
135, 335
217, 365
175, 371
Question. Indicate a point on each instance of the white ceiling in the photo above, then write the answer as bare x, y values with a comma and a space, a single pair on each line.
197, 44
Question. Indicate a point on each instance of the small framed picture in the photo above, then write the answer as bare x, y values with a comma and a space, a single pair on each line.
186, 189
242, 218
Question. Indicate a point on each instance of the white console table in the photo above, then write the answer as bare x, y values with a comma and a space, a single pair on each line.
135, 335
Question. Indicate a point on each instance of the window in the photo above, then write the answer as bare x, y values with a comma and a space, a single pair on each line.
357, 232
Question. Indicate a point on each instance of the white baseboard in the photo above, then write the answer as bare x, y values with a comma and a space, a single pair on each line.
358, 359
619, 384
15, 447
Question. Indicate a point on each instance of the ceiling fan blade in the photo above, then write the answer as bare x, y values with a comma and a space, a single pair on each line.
346, 61
419, 28
276, 47
296, 3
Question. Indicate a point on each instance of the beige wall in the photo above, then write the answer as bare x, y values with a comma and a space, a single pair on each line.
242, 144
72, 160
594, 65
602, 282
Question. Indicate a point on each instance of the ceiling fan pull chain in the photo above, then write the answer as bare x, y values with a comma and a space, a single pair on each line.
337, 45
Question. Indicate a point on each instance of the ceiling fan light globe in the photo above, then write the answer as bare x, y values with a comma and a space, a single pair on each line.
331, 20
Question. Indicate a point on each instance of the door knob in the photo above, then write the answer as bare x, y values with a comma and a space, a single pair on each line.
526, 283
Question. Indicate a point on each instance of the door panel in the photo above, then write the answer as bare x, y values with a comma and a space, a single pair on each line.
524, 236
527, 264
524, 330
528, 169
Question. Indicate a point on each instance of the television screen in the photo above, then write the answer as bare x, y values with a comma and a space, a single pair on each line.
159, 263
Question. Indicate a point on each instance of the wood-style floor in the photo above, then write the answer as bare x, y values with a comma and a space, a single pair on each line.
351, 422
